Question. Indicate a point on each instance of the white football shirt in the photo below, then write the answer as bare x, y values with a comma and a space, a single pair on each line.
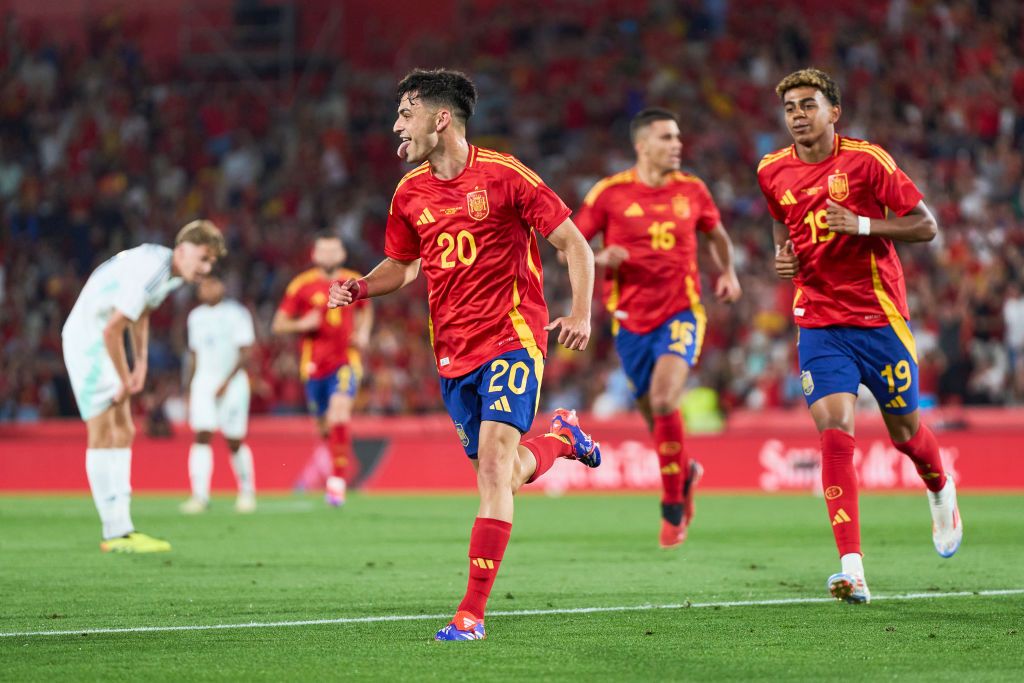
215, 334
130, 282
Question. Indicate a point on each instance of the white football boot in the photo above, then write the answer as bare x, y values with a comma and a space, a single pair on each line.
194, 506
851, 588
245, 503
947, 527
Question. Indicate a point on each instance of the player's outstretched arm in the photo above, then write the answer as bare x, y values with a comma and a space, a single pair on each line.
285, 324
389, 275
575, 327
919, 225
727, 287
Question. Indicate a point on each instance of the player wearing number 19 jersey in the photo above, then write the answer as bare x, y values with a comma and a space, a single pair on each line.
838, 205
649, 218
470, 218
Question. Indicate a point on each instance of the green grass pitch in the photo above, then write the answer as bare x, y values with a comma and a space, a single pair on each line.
296, 560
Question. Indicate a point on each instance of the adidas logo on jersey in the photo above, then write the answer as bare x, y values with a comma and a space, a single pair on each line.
501, 405
633, 211
788, 199
897, 402
426, 218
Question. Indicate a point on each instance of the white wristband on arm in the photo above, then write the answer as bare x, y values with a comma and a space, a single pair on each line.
863, 225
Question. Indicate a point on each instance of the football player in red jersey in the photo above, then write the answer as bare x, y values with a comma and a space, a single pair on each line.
330, 365
649, 217
469, 217
838, 205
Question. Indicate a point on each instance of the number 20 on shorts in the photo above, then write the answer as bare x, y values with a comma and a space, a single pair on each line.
518, 376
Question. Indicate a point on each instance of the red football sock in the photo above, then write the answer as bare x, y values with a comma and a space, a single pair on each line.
839, 481
487, 544
668, 443
546, 449
340, 445
923, 449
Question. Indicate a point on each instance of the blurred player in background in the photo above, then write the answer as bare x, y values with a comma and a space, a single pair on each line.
649, 217
220, 340
839, 204
330, 363
117, 300
469, 217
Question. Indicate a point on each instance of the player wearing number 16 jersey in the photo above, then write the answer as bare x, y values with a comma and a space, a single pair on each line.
839, 204
649, 218
469, 218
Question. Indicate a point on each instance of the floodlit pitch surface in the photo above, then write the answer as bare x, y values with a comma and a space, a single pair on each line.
384, 573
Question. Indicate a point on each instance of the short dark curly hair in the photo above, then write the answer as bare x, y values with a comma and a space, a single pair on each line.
810, 78
648, 116
444, 87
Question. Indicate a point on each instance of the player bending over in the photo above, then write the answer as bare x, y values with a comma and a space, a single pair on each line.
649, 217
469, 217
220, 339
839, 204
330, 365
117, 300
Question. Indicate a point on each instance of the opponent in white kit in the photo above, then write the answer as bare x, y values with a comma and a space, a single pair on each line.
117, 299
220, 339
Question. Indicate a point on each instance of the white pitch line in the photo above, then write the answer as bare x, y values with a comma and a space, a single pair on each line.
510, 613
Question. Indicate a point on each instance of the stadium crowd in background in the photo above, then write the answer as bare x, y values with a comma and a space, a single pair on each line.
98, 153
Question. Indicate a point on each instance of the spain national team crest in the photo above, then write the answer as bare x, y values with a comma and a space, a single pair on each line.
807, 382
681, 207
463, 437
838, 187
479, 209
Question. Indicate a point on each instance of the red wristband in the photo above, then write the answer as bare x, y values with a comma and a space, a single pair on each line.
362, 290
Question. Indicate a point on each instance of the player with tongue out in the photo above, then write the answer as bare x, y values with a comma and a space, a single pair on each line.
469, 217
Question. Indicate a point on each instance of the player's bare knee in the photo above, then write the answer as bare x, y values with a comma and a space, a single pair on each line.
234, 444
494, 472
835, 422
126, 435
901, 433
663, 404
204, 438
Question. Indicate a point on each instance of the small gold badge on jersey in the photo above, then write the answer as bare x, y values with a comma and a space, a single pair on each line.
476, 201
681, 207
807, 382
838, 187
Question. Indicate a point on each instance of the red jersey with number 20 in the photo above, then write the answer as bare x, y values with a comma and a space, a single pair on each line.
477, 237
849, 280
658, 227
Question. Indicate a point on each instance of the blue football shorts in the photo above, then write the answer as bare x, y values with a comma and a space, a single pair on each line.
504, 389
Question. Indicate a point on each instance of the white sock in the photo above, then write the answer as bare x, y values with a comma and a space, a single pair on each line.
109, 473
200, 470
245, 475
852, 564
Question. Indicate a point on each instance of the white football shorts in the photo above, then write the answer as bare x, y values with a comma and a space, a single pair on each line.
94, 380
229, 413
